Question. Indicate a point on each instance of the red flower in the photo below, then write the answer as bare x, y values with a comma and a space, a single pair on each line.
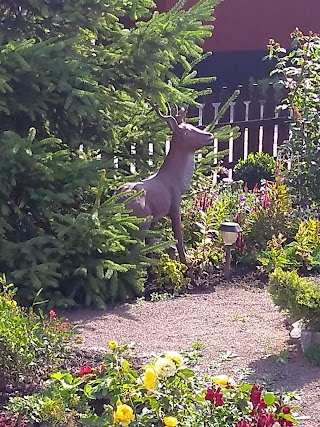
285, 423
85, 370
209, 395
103, 367
52, 313
266, 420
215, 396
286, 410
255, 395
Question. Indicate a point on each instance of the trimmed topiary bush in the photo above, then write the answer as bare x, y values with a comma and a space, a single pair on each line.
298, 296
254, 168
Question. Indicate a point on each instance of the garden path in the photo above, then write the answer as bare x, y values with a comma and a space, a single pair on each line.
237, 318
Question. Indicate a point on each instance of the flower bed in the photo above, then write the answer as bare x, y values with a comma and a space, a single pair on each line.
164, 393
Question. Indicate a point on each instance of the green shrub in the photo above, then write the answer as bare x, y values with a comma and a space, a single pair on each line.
303, 253
254, 168
168, 275
31, 344
298, 296
61, 231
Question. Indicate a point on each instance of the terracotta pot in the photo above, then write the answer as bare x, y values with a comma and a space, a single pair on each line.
309, 339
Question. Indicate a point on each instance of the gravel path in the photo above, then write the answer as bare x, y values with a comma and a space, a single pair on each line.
239, 319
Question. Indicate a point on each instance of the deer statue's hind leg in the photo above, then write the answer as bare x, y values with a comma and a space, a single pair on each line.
177, 232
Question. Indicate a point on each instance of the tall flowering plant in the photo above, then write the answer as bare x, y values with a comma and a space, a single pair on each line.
261, 212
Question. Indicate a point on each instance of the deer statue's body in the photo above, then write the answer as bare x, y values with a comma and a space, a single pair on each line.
163, 191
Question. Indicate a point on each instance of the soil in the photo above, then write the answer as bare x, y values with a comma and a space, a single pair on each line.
239, 327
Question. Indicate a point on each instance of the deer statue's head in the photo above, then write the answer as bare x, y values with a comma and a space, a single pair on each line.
185, 135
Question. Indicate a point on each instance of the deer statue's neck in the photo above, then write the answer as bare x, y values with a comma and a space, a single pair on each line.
177, 168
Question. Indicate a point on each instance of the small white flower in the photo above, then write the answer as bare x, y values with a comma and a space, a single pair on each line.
175, 356
164, 367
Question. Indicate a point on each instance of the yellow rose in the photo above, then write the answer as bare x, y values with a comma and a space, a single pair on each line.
150, 380
175, 357
123, 415
112, 345
223, 380
170, 421
164, 367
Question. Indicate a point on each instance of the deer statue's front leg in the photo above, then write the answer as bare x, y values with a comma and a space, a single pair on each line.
177, 232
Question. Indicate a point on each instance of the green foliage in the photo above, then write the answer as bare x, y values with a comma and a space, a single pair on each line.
30, 344
275, 255
203, 213
61, 232
261, 213
76, 71
298, 296
256, 167
168, 276
166, 392
307, 245
272, 215
83, 76
298, 72
302, 253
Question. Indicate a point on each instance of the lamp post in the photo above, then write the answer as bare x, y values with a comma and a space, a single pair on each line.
229, 232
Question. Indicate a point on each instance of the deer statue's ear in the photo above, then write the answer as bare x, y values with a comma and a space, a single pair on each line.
183, 114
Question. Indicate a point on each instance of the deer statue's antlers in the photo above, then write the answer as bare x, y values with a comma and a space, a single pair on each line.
179, 114
176, 114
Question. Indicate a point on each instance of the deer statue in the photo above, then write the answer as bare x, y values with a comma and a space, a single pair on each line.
161, 193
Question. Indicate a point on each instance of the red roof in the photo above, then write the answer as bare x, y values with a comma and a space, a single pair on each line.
249, 24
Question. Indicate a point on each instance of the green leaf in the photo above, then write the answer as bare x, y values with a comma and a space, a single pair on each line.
125, 365
269, 398
187, 373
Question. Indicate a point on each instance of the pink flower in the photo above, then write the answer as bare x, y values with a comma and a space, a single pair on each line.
52, 313
85, 370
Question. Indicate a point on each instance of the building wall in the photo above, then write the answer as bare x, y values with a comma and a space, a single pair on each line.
247, 25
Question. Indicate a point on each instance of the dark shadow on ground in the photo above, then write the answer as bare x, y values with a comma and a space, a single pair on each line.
277, 369
83, 315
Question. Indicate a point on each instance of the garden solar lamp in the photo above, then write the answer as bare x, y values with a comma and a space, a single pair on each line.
229, 232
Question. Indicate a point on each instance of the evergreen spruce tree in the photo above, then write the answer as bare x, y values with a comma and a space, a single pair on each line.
84, 73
